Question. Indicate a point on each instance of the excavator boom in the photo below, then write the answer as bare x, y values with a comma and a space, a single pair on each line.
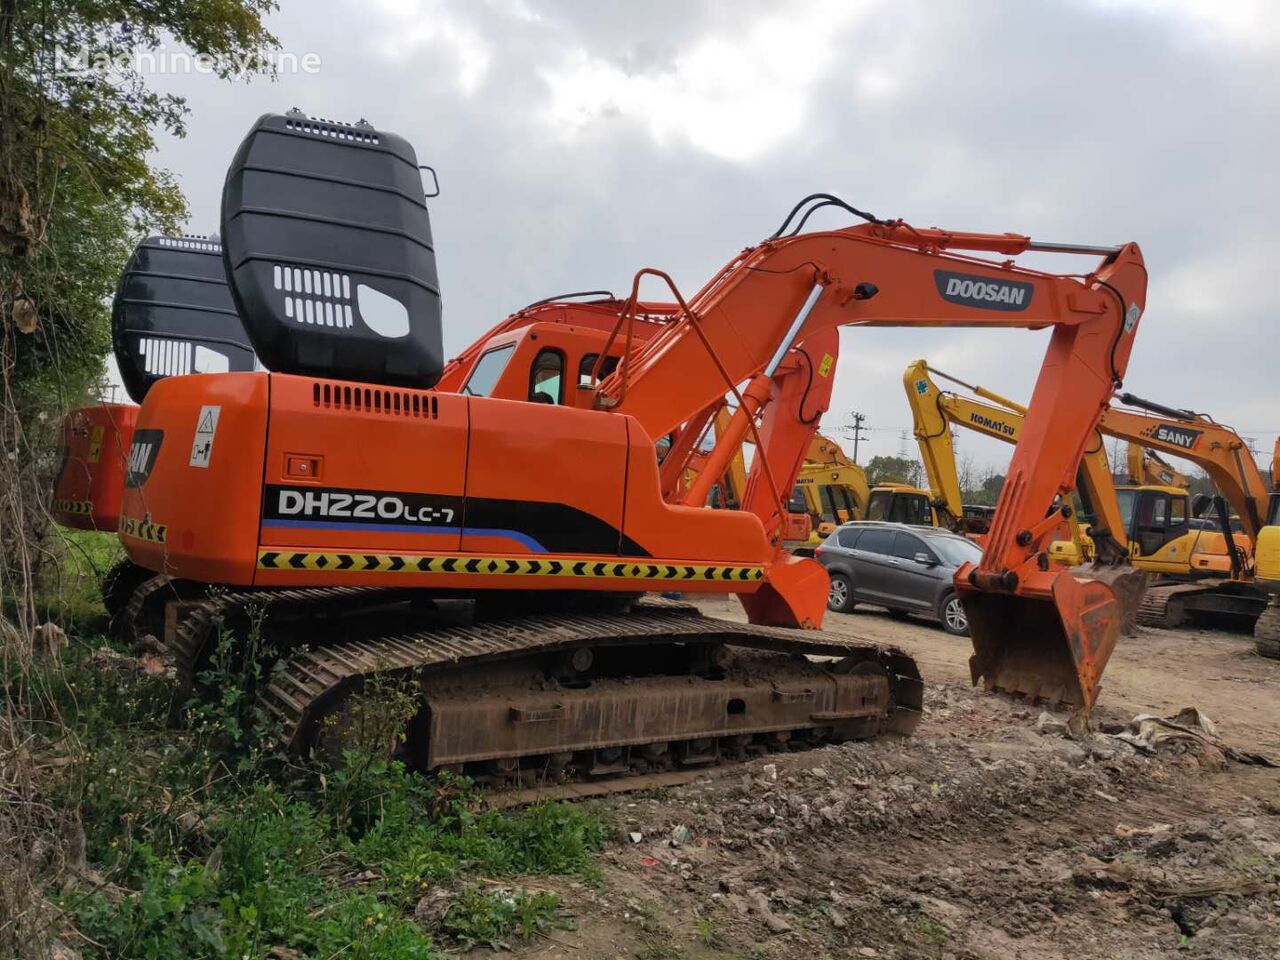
775, 298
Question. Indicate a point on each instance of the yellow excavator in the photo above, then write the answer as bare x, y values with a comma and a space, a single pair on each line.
935, 411
832, 490
1148, 469
1200, 572
1266, 567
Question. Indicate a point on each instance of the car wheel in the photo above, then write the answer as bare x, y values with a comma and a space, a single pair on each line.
952, 614
840, 594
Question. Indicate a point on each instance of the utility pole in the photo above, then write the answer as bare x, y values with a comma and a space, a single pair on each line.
858, 420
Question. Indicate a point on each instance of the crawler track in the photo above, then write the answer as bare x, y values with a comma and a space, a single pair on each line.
654, 687
1172, 605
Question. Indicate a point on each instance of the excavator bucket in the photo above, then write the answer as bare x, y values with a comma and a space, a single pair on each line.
1129, 584
1050, 642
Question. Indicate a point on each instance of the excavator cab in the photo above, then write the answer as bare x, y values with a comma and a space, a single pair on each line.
899, 503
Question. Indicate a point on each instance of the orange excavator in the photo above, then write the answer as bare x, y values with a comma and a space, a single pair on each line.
522, 476
172, 315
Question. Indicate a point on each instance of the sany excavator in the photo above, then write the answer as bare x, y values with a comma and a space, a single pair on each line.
1200, 572
361, 469
172, 315
1220, 582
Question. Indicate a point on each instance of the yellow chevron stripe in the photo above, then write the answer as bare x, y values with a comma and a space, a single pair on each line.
468, 564
81, 507
143, 530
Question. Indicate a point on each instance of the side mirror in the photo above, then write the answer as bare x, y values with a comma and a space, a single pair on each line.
927, 559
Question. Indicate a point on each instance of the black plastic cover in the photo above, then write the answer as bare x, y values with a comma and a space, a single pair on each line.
328, 249
173, 314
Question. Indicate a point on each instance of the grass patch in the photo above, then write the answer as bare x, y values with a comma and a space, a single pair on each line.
203, 841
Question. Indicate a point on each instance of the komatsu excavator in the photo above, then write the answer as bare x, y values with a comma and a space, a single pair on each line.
172, 315
935, 411
523, 476
1200, 572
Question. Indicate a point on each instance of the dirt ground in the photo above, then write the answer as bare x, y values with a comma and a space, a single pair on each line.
981, 836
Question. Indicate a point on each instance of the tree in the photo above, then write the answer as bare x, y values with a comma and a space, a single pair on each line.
77, 123
894, 470
76, 192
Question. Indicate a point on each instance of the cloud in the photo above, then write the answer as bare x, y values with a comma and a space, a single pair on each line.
578, 141
736, 94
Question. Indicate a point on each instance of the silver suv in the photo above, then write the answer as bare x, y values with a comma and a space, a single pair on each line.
908, 569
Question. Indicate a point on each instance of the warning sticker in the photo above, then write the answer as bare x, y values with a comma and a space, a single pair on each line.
206, 427
95, 443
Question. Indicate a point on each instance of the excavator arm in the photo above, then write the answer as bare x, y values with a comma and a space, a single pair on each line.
1214, 447
790, 293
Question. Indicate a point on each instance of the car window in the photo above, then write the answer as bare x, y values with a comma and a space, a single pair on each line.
956, 550
848, 537
907, 546
876, 540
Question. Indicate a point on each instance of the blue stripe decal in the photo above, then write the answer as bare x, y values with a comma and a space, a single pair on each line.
516, 535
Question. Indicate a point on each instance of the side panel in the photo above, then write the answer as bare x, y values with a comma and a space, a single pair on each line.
193, 487
363, 468
679, 532
93, 452
545, 479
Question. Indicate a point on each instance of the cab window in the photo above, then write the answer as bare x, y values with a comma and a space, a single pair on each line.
798, 504
487, 371
915, 510
588, 364
878, 507
838, 505
546, 379
1177, 511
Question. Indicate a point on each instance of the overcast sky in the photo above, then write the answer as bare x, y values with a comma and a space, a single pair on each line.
578, 141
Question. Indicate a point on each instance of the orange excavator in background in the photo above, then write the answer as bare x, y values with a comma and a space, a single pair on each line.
362, 467
172, 315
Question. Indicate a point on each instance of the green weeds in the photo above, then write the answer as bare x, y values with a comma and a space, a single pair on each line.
202, 841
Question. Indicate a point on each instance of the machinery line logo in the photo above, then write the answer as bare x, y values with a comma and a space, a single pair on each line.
1178, 436
972, 290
